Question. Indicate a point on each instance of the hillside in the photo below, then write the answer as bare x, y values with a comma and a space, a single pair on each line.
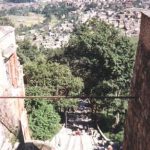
18, 1
50, 24
82, 53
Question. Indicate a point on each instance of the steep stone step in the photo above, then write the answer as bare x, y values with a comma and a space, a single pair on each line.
7, 145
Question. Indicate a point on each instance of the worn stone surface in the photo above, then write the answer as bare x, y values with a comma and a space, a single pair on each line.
137, 128
12, 111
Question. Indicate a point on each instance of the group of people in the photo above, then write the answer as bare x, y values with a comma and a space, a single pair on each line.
105, 148
110, 147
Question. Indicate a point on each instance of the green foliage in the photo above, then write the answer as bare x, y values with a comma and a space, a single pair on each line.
34, 91
23, 29
19, 11
43, 78
53, 76
27, 52
5, 22
52, 54
44, 121
58, 10
118, 137
96, 55
102, 57
106, 122
66, 104
107, 118
47, 79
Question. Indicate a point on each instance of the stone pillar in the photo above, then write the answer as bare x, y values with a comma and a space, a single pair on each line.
137, 126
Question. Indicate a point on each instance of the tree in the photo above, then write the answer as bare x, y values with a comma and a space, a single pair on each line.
47, 78
54, 76
27, 52
102, 57
44, 122
43, 119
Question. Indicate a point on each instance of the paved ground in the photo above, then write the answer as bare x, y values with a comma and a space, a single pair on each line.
64, 140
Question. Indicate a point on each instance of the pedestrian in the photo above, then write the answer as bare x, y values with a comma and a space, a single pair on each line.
109, 147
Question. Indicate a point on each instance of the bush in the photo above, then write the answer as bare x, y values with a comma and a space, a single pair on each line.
117, 137
106, 122
5, 22
44, 121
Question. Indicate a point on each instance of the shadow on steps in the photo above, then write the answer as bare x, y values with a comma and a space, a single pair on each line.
27, 146
31, 146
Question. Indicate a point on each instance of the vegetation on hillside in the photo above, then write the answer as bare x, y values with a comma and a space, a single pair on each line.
43, 78
97, 61
5, 21
62, 9
101, 57
104, 59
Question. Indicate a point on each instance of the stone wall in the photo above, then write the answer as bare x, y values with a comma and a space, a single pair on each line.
13, 116
137, 126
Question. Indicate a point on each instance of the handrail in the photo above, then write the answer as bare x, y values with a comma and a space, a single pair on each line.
102, 134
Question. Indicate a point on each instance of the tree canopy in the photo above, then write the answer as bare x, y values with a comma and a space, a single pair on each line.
46, 78
101, 56
98, 61
54, 76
